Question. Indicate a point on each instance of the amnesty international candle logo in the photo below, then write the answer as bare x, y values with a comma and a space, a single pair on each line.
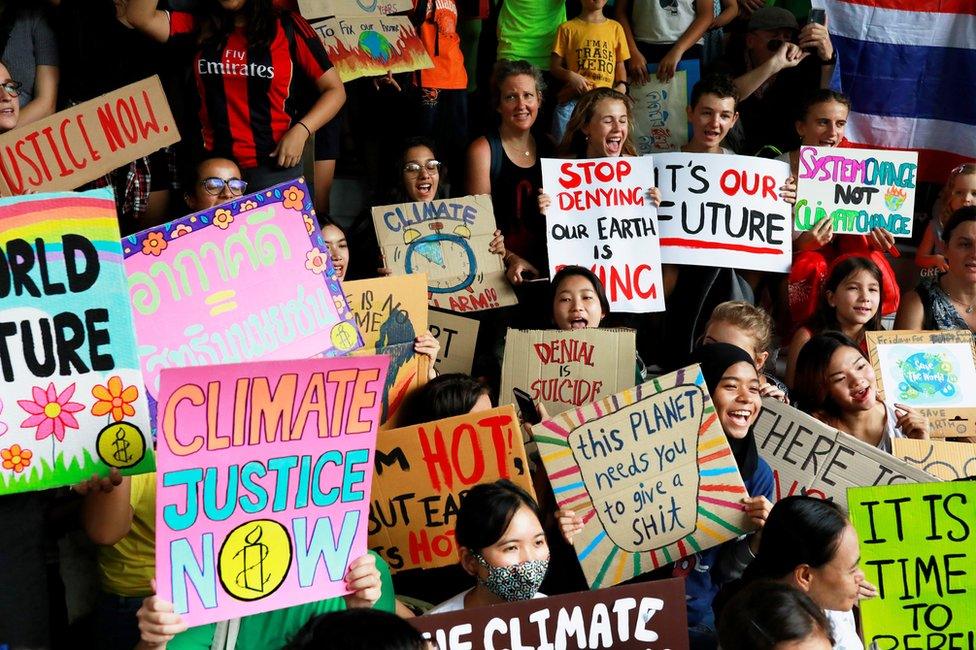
121, 445
254, 559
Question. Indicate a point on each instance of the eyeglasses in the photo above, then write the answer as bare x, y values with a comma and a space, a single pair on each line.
215, 186
413, 168
12, 88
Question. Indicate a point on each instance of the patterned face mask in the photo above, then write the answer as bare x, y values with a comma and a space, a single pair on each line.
513, 583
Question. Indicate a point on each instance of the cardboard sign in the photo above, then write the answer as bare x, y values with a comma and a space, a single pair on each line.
917, 548
934, 372
371, 45
315, 9
263, 483
458, 337
422, 471
810, 458
601, 218
72, 401
86, 141
248, 280
391, 313
858, 189
633, 617
660, 109
567, 369
447, 240
947, 461
650, 472
717, 207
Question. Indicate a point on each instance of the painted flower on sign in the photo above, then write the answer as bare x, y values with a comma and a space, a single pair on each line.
309, 223
292, 198
316, 261
115, 399
16, 458
248, 205
51, 412
153, 244
222, 218
180, 230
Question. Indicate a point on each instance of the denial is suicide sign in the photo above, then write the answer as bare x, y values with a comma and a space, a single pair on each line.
601, 218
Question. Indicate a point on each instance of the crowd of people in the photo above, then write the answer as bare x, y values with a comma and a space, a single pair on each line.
513, 81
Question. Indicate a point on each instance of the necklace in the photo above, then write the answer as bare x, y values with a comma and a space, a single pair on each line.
969, 309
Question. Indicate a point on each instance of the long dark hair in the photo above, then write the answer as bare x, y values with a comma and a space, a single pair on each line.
216, 24
583, 272
445, 396
486, 512
357, 629
825, 317
810, 387
766, 614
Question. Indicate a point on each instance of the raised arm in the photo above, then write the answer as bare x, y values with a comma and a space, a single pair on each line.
148, 19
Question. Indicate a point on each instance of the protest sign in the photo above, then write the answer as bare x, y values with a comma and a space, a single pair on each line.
650, 472
624, 618
857, 189
808, 457
721, 208
567, 369
917, 549
947, 461
457, 336
247, 280
315, 9
72, 402
391, 313
448, 241
933, 372
422, 472
86, 141
263, 483
660, 109
371, 45
601, 218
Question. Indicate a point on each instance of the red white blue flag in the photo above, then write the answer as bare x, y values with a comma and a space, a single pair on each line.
909, 67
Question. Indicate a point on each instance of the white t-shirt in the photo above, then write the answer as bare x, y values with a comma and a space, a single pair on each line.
845, 632
456, 603
654, 23
891, 429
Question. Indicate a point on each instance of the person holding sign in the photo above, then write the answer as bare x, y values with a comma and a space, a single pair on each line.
947, 301
749, 327
446, 396
835, 383
215, 181
252, 65
358, 629
502, 545
959, 191
809, 544
780, 618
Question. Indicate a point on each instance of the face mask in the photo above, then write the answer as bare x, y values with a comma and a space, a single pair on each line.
512, 583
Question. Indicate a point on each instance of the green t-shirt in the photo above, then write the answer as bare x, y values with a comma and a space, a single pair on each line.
272, 630
527, 29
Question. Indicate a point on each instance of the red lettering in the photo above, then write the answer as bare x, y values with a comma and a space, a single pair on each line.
57, 154
131, 134
651, 291
67, 146
435, 458
543, 351
18, 187
150, 125
32, 138
733, 181
476, 454
111, 128
568, 178
84, 134
497, 425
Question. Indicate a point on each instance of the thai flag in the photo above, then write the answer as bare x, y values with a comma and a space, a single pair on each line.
909, 67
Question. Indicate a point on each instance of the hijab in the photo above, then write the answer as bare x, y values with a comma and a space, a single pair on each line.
715, 359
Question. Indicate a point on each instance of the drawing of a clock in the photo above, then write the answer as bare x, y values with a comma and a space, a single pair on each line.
446, 258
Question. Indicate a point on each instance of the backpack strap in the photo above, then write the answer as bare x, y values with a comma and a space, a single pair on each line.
497, 153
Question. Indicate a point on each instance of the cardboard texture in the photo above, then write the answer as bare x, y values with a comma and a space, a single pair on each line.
650, 472
390, 313
808, 457
86, 141
72, 401
917, 548
567, 369
263, 487
601, 218
946, 461
316, 9
858, 189
645, 615
363, 45
421, 473
245, 281
448, 241
457, 336
934, 372
723, 207
660, 109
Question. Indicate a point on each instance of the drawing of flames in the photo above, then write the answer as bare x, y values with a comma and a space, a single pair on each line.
894, 197
375, 55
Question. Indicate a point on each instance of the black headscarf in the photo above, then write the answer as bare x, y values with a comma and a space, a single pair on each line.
715, 359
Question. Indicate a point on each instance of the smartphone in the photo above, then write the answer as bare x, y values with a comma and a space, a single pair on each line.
530, 414
818, 16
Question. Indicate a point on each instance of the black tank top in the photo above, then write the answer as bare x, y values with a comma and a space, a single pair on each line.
515, 200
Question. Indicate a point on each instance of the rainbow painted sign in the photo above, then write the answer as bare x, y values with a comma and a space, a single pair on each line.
251, 279
650, 472
72, 401
262, 493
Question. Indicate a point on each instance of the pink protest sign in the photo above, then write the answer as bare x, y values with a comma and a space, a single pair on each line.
263, 482
248, 280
